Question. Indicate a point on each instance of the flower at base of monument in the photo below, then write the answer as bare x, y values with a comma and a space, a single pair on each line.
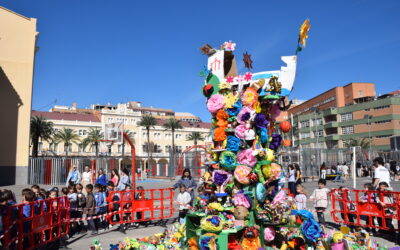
212, 223
276, 170
246, 157
275, 141
245, 114
221, 177
219, 134
263, 134
230, 100
249, 97
227, 160
311, 230
240, 131
215, 103
233, 143
242, 174
260, 121
269, 234
235, 109
222, 115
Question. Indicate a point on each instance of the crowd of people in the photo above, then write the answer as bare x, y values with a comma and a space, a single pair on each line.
87, 202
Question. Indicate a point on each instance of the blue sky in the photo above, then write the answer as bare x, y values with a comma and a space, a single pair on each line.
115, 51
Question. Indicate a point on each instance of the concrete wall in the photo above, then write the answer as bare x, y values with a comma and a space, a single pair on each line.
17, 52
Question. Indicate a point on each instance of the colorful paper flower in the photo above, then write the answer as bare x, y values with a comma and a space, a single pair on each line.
224, 85
246, 157
220, 177
250, 96
230, 100
215, 103
219, 134
230, 79
240, 131
248, 76
241, 174
245, 114
222, 115
229, 46
261, 121
235, 108
305, 27
275, 141
311, 230
233, 143
227, 159
263, 134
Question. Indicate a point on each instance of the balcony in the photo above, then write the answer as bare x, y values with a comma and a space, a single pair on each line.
332, 137
332, 124
330, 111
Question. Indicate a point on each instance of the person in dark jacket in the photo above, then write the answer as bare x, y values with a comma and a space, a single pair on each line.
188, 181
90, 209
102, 178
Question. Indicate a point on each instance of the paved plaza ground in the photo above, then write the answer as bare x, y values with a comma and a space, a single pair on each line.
113, 235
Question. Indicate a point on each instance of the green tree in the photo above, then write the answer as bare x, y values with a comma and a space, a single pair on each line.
93, 137
130, 136
363, 143
67, 136
148, 122
173, 124
195, 137
40, 129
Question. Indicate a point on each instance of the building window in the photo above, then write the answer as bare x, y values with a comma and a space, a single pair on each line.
317, 122
81, 147
144, 134
382, 107
144, 147
305, 135
383, 121
167, 148
360, 93
157, 148
178, 136
133, 121
347, 130
305, 124
347, 117
318, 133
110, 119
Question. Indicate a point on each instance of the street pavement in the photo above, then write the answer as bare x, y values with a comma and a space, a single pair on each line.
112, 236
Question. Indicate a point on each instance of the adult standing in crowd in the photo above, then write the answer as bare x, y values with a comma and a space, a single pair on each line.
188, 181
381, 174
323, 171
123, 181
345, 170
86, 177
115, 177
292, 179
74, 176
102, 178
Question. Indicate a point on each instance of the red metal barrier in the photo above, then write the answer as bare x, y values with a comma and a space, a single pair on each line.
34, 224
139, 206
361, 207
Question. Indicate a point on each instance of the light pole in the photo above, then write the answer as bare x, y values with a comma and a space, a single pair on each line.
317, 160
369, 117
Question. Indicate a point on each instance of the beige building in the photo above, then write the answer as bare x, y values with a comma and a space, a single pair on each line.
18, 38
130, 114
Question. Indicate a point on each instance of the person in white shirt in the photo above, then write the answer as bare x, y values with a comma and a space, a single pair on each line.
183, 201
86, 177
345, 170
381, 174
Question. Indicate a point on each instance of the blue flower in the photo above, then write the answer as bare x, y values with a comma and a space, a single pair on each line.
233, 143
263, 134
235, 108
311, 230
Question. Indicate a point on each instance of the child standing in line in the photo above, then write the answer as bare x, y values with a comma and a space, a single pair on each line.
113, 206
183, 201
320, 198
368, 199
300, 198
139, 196
386, 200
81, 204
126, 202
99, 198
28, 196
90, 208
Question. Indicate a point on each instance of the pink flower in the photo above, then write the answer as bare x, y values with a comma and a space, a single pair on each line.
229, 79
240, 131
215, 103
246, 157
248, 76
244, 115
229, 46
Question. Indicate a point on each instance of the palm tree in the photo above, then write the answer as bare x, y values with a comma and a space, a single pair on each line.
173, 124
93, 137
195, 137
363, 143
67, 136
148, 121
40, 129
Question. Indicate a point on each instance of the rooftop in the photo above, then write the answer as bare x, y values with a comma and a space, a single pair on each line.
66, 116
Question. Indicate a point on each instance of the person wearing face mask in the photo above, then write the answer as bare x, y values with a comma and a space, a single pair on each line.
189, 183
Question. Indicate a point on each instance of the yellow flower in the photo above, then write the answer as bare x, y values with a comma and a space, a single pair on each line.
224, 85
230, 99
305, 27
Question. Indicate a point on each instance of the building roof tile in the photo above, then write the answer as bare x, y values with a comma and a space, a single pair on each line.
66, 116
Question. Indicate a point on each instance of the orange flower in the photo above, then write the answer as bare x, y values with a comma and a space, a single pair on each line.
222, 115
219, 134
